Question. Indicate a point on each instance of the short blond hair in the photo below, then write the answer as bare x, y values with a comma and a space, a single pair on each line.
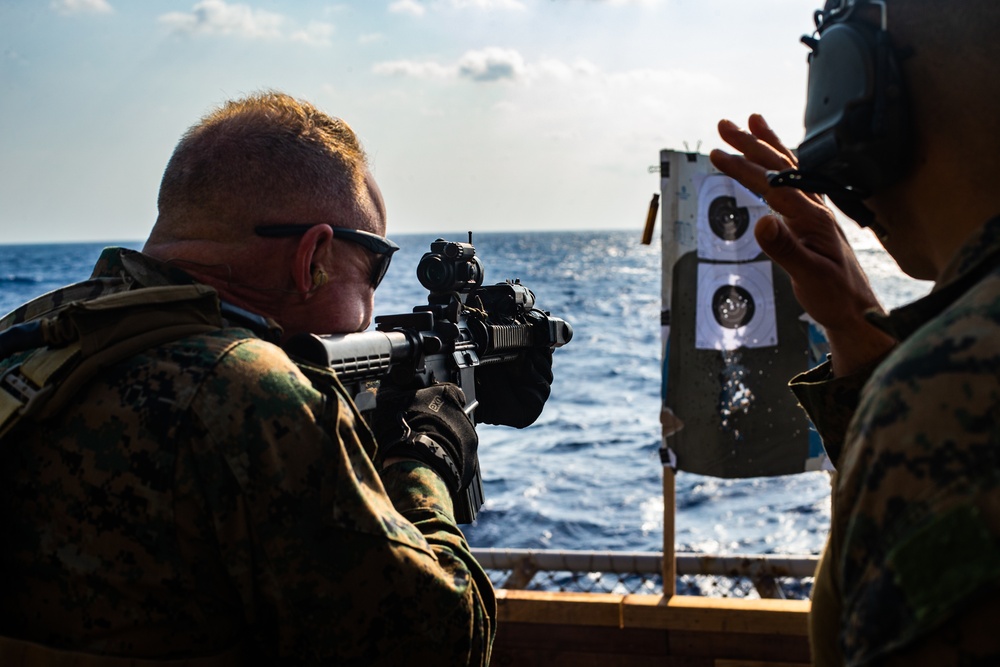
254, 157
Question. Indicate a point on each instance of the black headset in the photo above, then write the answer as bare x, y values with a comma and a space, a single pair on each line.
858, 138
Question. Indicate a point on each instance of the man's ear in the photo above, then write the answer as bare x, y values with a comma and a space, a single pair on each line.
311, 254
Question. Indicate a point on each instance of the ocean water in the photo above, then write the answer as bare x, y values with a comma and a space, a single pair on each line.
587, 474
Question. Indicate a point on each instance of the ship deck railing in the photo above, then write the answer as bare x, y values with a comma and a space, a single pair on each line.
765, 576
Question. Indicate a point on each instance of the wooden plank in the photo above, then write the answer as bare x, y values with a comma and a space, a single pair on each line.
585, 639
777, 617
601, 609
739, 646
669, 526
529, 644
549, 659
682, 612
532, 645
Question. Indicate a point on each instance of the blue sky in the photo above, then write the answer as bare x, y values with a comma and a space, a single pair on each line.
477, 114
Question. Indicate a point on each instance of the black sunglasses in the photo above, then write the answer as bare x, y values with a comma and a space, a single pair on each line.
379, 245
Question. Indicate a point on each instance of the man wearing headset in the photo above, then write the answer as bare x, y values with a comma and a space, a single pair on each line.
204, 498
902, 135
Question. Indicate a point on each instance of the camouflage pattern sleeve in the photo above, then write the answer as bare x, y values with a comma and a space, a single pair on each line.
422, 497
917, 503
327, 568
829, 402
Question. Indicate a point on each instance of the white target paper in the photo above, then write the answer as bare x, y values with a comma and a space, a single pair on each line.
727, 213
735, 306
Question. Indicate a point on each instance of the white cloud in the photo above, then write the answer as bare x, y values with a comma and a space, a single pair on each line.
371, 38
496, 64
315, 33
418, 8
338, 8
604, 118
556, 69
216, 17
412, 7
618, 3
491, 64
415, 69
82, 6
483, 4
485, 65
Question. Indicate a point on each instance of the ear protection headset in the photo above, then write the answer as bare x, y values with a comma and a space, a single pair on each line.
858, 133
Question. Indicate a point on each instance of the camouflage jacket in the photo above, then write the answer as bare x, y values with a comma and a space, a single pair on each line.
205, 493
911, 572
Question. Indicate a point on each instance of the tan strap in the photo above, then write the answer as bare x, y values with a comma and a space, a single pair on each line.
19, 653
89, 336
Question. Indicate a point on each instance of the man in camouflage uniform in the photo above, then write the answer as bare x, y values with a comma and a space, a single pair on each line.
208, 499
908, 404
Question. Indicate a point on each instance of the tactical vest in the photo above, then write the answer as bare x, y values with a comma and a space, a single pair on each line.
46, 361
43, 363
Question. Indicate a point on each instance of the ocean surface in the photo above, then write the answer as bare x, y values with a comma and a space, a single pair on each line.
587, 475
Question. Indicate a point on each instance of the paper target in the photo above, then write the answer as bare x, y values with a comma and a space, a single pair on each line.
727, 213
735, 306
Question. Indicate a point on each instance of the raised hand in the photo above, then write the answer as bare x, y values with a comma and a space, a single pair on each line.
805, 240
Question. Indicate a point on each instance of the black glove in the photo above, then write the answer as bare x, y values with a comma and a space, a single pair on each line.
513, 394
429, 425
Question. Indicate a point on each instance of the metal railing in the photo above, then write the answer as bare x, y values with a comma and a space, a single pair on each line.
731, 575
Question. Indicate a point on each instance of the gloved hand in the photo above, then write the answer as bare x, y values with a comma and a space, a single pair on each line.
513, 394
429, 425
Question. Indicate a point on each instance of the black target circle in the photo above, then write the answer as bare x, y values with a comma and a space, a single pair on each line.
732, 306
727, 220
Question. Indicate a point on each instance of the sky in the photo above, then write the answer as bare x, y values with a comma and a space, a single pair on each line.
482, 115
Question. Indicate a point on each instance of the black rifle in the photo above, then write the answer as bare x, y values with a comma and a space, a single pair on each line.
463, 326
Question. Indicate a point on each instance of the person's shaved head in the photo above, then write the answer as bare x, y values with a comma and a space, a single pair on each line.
262, 159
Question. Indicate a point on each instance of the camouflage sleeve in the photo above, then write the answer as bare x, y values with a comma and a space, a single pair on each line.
830, 403
968, 638
422, 497
327, 570
918, 493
